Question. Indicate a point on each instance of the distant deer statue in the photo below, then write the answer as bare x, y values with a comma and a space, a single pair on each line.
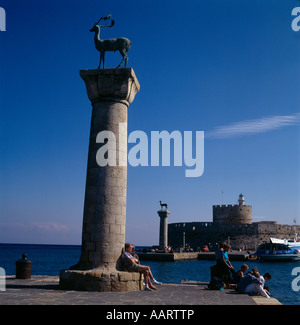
163, 205
121, 44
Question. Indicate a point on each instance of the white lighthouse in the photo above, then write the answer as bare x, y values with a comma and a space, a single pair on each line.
241, 200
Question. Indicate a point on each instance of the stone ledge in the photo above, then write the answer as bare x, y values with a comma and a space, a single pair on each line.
259, 300
99, 280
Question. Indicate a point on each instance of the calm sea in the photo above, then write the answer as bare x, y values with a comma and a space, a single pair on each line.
50, 259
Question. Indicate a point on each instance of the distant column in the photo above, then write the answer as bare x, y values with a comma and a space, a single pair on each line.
163, 228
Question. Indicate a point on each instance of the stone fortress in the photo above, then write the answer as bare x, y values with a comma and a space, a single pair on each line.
231, 224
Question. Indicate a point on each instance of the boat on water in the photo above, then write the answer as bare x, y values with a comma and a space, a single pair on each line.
279, 250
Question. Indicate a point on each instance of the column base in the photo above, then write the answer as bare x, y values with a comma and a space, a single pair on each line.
100, 280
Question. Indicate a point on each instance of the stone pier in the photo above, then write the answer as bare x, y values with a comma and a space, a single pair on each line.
103, 231
163, 228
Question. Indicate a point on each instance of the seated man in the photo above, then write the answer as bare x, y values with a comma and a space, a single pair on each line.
259, 288
131, 265
236, 276
252, 283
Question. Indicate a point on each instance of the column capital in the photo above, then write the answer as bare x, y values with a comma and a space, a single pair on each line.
163, 213
110, 84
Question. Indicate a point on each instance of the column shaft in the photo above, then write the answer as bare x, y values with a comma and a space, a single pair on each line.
163, 228
103, 233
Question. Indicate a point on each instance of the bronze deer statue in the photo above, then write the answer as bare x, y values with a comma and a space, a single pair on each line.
163, 205
121, 44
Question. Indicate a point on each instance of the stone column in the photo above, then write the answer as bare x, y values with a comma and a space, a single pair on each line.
103, 232
163, 228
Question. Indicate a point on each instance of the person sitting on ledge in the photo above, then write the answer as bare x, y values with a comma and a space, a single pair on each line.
131, 265
135, 255
253, 283
260, 289
236, 276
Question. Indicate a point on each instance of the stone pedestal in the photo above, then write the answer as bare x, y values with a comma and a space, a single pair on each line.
103, 232
98, 280
163, 228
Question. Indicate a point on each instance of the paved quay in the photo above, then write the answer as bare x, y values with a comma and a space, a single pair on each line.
45, 290
171, 257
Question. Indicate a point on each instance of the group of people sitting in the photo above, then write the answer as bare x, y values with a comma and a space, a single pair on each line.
224, 275
131, 263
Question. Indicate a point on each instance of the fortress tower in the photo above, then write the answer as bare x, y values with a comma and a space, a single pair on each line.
233, 214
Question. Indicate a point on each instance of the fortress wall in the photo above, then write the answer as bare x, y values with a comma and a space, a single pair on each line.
239, 236
272, 229
195, 233
198, 234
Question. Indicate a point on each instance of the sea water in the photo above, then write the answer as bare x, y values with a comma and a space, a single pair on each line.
50, 259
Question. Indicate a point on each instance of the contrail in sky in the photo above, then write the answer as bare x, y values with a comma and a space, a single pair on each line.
254, 126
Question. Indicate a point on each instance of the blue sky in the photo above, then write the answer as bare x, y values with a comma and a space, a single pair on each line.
228, 68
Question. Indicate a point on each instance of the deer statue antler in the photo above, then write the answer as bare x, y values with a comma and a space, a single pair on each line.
106, 18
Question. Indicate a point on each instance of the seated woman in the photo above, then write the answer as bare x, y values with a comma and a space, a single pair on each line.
131, 265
